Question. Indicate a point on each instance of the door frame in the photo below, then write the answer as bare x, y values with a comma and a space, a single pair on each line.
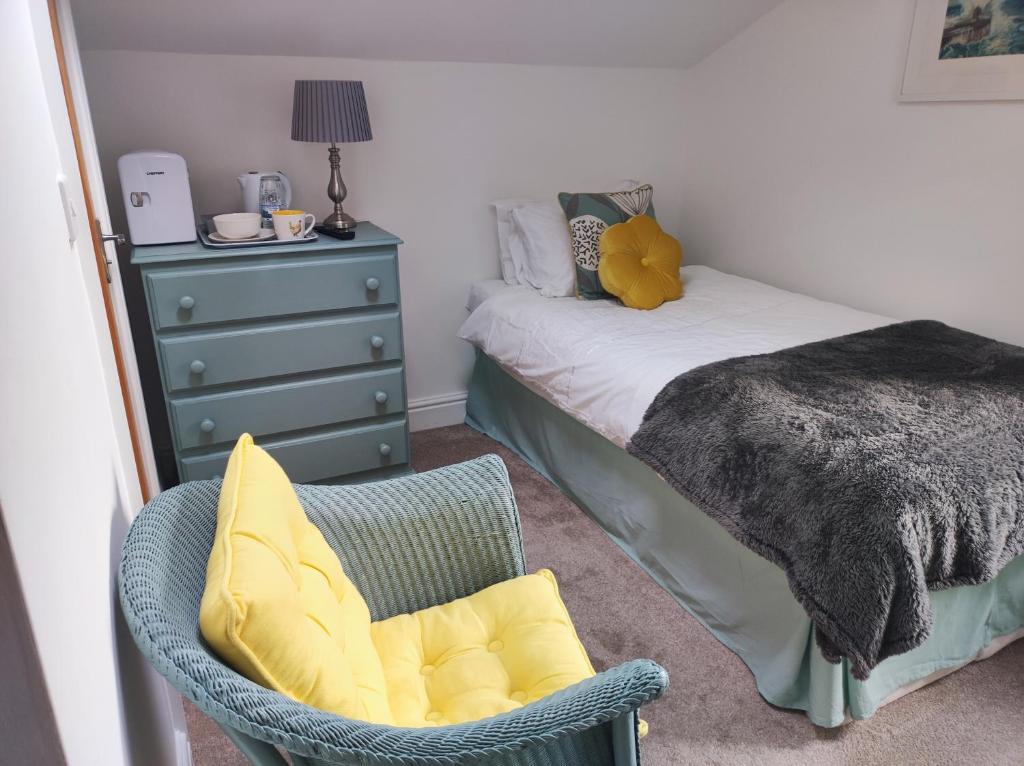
107, 267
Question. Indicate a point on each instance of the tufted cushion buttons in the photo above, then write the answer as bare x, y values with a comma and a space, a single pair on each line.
513, 636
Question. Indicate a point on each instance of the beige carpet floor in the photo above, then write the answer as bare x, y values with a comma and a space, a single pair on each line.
712, 713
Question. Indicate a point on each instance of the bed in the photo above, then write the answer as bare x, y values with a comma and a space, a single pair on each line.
565, 383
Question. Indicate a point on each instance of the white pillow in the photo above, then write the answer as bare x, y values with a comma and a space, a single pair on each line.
512, 246
545, 237
510, 242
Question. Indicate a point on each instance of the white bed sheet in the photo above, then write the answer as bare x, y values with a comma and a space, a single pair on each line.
603, 363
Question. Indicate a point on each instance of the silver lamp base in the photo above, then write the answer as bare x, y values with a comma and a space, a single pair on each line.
339, 220
336, 190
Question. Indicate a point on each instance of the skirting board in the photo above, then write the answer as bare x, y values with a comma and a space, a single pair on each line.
437, 411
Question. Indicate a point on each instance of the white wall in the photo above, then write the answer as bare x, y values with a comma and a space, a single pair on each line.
802, 170
448, 138
783, 156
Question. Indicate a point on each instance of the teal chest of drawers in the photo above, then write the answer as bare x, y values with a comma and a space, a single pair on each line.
298, 344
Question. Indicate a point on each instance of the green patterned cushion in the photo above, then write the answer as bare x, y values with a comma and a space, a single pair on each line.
589, 215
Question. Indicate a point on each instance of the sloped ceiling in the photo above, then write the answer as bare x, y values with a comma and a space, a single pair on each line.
614, 33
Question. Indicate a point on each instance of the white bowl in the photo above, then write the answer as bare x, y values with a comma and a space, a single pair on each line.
237, 225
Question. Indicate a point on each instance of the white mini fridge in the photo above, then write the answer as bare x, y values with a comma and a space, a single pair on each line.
157, 198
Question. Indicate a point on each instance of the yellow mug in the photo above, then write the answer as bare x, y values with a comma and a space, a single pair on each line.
293, 224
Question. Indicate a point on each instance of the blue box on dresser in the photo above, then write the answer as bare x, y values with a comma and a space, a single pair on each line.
298, 344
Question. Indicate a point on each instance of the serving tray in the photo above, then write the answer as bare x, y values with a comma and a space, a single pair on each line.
207, 226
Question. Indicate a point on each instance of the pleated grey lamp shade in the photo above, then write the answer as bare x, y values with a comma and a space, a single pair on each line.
330, 111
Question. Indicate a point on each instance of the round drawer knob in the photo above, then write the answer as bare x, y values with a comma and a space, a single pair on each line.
377, 342
186, 302
381, 397
198, 366
372, 284
206, 425
385, 449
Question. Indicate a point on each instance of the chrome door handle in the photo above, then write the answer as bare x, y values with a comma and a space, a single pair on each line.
117, 239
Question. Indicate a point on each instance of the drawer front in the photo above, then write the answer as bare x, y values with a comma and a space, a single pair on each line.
201, 421
319, 457
192, 297
193, 361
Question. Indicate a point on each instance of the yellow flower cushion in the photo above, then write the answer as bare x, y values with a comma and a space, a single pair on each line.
640, 263
279, 609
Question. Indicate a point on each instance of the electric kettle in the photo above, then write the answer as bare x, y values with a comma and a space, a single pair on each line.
264, 191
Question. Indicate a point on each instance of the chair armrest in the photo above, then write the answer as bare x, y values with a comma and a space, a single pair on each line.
307, 731
417, 541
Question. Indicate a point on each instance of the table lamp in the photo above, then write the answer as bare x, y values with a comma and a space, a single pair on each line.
332, 111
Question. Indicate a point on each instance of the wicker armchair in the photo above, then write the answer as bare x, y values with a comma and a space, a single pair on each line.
407, 543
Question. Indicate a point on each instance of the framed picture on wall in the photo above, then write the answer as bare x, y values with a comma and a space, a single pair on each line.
966, 50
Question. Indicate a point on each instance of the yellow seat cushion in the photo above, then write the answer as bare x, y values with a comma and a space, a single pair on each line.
279, 609
488, 653
640, 263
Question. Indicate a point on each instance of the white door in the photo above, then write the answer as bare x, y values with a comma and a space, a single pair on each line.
101, 215
68, 484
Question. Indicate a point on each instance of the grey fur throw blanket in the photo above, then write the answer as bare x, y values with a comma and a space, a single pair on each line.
871, 467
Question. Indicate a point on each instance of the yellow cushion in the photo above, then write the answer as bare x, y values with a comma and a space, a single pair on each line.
277, 605
640, 263
493, 651
279, 609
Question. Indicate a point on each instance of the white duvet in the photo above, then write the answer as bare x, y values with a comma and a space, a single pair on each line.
603, 363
